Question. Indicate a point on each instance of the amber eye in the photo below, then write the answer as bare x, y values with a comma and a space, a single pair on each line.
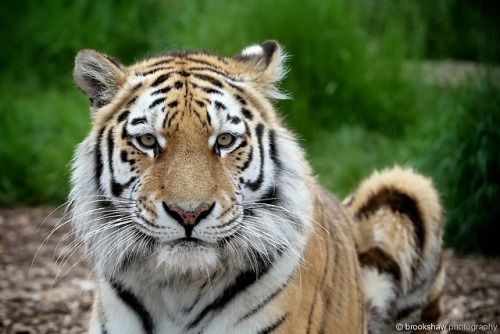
147, 140
225, 140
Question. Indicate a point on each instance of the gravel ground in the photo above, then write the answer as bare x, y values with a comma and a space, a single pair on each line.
32, 300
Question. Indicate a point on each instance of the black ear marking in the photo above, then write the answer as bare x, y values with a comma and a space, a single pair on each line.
269, 48
266, 64
259, 54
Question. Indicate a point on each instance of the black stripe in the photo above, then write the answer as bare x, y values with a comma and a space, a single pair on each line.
317, 291
247, 113
241, 100
162, 62
243, 144
161, 79
116, 187
136, 305
198, 116
111, 144
209, 119
255, 185
162, 90
136, 87
129, 103
188, 309
125, 133
156, 102
211, 90
199, 61
219, 105
211, 69
242, 282
271, 328
138, 120
178, 85
99, 165
238, 88
382, 261
273, 153
247, 129
233, 119
267, 300
174, 115
123, 116
124, 157
210, 79
151, 71
397, 202
270, 196
248, 160
173, 104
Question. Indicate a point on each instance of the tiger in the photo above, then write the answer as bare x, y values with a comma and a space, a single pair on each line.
200, 213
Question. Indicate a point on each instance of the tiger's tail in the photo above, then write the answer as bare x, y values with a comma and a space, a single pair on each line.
399, 225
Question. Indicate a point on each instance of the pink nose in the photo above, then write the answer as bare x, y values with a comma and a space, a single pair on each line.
191, 217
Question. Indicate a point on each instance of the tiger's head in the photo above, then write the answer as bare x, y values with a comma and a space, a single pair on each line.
187, 165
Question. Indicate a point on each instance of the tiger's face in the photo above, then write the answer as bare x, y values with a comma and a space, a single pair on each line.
182, 165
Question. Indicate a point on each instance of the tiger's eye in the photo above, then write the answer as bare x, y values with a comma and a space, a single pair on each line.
147, 140
225, 139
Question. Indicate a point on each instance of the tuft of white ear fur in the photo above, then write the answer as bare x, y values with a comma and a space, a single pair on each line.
269, 60
98, 76
253, 50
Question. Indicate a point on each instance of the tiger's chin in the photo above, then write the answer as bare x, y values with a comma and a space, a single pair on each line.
188, 257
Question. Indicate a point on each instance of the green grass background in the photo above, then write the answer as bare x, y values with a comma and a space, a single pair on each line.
361, 99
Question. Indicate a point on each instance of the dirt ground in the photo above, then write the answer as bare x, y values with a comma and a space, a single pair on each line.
33, 301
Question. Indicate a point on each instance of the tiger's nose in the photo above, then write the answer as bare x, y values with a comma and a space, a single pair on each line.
188, 218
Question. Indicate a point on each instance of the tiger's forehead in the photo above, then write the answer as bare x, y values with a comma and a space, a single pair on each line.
186, 63
173, 94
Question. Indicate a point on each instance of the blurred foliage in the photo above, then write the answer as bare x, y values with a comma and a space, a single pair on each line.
465, 163
36, 145
337, 64
466, 30
353, 106
457, 29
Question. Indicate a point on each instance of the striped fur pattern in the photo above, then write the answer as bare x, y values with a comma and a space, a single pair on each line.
399, 221
197, 206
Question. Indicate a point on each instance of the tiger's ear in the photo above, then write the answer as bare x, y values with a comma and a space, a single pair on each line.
268, 59
98, 76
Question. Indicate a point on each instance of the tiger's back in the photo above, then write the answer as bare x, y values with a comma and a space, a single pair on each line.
198, 208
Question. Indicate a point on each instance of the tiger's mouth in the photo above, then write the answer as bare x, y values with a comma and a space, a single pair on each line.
162, 239
187, 243
188, 255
